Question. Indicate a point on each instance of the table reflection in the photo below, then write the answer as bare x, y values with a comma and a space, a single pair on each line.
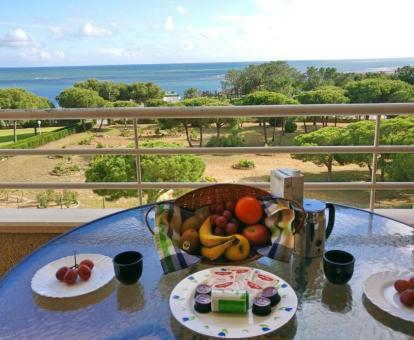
337, 298
131, 298
78, 302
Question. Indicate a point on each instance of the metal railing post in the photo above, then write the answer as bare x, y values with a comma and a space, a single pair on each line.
137, 160
375, 161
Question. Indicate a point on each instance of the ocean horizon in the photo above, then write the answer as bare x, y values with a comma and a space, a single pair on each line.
49, 81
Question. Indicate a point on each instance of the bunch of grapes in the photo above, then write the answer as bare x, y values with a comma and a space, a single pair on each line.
222, 219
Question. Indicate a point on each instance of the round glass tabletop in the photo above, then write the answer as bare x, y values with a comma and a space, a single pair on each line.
142, 310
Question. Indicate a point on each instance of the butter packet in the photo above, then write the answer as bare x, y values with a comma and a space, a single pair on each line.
229, 300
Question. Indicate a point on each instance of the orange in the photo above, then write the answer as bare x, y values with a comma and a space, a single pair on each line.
248, 210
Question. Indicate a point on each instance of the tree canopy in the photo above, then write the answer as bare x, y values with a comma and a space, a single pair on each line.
323, 95
16, 98
379, 90
80, 98
275, 76
108, 90
325, 136
154, 168
405, 73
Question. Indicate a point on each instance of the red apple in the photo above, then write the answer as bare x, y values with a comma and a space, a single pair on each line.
257, 234
227, 214
411, 281
220, 221
231, 228
219, 231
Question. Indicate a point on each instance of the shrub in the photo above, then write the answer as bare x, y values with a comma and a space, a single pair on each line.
290, 125
62, 169
99, 145
126, 133
226, 141
87, 140
39, 140
45, 198
70, 197
244, 164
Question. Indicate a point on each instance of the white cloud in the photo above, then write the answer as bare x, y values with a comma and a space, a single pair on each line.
16, 38
91, 30
317, 29
60, 54
57, 31
169, 24
128, 53
182, 10
35, 54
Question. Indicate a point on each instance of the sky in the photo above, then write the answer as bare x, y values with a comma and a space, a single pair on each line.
103, 32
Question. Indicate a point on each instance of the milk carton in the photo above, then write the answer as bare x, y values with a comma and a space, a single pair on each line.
287, 183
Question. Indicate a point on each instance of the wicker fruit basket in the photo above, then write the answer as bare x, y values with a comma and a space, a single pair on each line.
212, 194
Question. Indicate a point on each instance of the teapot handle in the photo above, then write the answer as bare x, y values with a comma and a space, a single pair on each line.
331, 220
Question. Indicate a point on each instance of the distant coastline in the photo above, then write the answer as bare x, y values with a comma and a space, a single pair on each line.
49, 81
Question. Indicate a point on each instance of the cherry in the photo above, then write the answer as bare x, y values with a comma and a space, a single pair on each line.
84, 272
60, 274
407, 297
401, 285
87, 262
71, 276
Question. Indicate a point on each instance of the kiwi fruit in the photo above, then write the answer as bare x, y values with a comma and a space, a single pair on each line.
191, 223
190, 242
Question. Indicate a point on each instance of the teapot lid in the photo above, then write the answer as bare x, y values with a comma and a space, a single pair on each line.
312, 206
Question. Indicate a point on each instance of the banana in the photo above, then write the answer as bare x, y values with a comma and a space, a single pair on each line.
216, 251
207, 238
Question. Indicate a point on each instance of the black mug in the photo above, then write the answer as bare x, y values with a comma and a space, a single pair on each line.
128, 267
338, 266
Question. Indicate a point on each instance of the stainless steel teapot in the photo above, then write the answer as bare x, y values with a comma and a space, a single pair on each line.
310, 240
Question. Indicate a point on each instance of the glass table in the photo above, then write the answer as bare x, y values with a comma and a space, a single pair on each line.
115, 311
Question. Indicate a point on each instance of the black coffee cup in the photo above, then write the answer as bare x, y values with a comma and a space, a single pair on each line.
338, 266
128, 267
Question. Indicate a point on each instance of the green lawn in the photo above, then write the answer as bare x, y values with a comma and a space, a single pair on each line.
6, 135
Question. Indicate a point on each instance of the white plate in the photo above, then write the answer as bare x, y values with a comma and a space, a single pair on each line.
44, 282
379, 289
229, 325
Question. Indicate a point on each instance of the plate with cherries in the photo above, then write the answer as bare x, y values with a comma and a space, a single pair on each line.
73, 275
393, 292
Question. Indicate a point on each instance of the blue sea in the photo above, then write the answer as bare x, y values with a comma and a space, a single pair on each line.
49, 81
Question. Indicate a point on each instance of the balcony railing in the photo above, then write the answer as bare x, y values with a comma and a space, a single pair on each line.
136, 113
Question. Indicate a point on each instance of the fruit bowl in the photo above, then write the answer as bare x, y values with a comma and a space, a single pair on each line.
224, 224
